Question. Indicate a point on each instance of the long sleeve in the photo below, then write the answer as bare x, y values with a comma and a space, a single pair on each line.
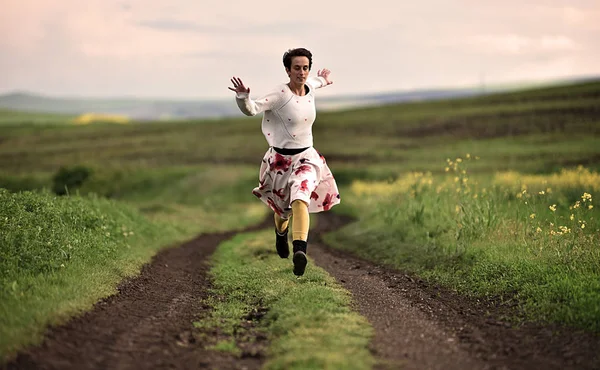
316, 82
252, 107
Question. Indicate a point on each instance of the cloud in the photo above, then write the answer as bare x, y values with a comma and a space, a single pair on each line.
518, 44
179, 25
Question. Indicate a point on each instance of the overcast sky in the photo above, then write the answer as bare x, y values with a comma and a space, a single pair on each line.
191, 48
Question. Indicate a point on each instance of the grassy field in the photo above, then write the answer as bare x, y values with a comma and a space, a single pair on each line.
190, 177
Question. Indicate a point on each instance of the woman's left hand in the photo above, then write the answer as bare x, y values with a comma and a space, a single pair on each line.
325, 74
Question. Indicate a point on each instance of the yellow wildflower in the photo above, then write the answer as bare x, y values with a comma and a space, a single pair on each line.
586, 197
564, 229
590, 206
553, 208
572, 217
458, 160
532, 216
538, 230
542, 192
447, 169
583, 226
468, 156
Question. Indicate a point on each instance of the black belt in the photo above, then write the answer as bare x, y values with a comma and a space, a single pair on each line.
287, 151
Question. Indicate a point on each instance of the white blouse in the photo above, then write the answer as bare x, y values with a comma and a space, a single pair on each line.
288, 118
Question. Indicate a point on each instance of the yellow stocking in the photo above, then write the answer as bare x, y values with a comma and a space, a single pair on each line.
301, 220
280, 223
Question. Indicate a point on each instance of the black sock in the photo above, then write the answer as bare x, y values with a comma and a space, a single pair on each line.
299, 245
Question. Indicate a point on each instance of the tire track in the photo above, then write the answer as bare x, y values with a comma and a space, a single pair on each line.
423, 326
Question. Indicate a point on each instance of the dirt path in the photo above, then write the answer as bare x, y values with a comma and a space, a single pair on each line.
148, 325
419, 326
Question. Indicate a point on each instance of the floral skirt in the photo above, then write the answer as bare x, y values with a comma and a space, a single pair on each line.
304, 176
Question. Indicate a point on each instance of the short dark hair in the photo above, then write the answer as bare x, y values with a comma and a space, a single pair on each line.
298, 52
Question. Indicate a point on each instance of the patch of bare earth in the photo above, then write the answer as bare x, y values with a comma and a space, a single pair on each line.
423, 326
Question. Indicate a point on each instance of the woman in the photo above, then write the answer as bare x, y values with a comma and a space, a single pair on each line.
294, 179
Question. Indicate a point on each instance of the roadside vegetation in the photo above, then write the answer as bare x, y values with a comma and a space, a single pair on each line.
525, 240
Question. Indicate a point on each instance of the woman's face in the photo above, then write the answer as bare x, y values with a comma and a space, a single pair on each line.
299, 71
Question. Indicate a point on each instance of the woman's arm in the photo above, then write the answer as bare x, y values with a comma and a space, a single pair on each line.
249, 106
321, 80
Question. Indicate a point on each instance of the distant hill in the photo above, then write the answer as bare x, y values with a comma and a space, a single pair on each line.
154, 109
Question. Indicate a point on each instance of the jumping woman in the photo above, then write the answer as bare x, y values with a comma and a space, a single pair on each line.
294, 179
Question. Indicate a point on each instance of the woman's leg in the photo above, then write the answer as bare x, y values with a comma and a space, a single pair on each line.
299, 235
281, 224
281, 236
301, 220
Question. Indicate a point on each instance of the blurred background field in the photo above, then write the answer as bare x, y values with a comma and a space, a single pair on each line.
399, 173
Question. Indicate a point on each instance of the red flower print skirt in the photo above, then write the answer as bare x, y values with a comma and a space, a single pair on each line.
304, 176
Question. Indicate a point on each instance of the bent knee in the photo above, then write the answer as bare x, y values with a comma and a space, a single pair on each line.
299, 202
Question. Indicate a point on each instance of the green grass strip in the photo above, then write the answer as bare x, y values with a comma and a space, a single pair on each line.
309, 322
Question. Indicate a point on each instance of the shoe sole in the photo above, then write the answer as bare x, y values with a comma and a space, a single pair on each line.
299, 263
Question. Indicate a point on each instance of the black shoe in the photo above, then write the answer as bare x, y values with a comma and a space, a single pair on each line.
299, 258
281, 244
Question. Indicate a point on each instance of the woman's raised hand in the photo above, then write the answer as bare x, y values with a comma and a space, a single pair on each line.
325, 74
238, 86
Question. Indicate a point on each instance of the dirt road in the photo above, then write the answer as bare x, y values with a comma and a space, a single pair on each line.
418, 326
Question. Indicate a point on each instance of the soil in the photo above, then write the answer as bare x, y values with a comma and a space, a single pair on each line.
148, 324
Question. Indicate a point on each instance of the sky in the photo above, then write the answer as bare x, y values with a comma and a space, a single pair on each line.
189, 49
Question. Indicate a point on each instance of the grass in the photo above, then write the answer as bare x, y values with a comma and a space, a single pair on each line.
10, 117
518, 239
309, 322
59, 255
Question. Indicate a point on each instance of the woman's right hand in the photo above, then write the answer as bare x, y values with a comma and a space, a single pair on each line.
238, 86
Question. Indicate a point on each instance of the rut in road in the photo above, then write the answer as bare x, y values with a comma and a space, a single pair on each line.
148, 324
422, 326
